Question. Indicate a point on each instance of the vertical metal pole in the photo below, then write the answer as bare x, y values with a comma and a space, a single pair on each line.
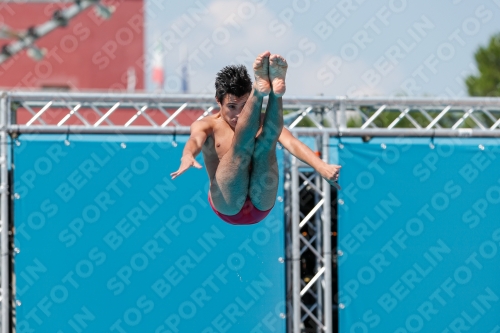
334, 118
295, 247
288, 240
319, 241
327, 244
343, 116
4, 216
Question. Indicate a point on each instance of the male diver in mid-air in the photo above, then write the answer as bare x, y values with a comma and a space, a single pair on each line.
239, 144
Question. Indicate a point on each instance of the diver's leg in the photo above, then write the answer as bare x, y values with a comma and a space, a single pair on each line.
264, 176
229, 186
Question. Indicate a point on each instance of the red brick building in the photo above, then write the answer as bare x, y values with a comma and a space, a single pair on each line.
88, 53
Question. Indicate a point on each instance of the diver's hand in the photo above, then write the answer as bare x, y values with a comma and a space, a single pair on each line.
187, 161
330, 172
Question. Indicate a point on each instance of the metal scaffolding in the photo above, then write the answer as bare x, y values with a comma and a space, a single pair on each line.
309, 231
5, 279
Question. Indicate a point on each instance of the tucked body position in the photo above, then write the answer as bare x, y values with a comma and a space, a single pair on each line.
239, 142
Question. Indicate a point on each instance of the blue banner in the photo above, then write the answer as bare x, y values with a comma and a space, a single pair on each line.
418, 236
108, 242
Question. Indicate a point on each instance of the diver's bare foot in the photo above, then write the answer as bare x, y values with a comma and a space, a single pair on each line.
277, 72
262, 84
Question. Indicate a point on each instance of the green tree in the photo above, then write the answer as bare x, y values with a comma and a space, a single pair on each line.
487, 82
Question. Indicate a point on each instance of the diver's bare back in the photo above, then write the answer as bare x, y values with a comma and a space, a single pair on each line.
218, 142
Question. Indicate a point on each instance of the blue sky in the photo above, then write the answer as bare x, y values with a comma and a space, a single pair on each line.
347, 47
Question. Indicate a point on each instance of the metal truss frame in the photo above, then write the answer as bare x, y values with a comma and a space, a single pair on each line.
6, 254
388, 117
316, 240
423, 117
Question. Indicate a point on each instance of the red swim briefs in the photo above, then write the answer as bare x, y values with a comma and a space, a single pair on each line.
247, 215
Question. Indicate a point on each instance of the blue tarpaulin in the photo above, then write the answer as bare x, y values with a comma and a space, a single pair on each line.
109, 243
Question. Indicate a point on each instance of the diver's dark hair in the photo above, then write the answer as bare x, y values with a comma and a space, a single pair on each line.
234, 80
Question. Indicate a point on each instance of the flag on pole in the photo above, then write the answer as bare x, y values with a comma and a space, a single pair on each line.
185, 78
158, 70
183, 55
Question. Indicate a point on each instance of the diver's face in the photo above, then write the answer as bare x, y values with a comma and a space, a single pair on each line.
231, 108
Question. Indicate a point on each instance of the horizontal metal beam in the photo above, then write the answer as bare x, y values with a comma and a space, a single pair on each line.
52, 129
94, 97
424, 101
307, 131
410, 132
287, 100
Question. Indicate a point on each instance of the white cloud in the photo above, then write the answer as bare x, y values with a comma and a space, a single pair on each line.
237, 31
319, 78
